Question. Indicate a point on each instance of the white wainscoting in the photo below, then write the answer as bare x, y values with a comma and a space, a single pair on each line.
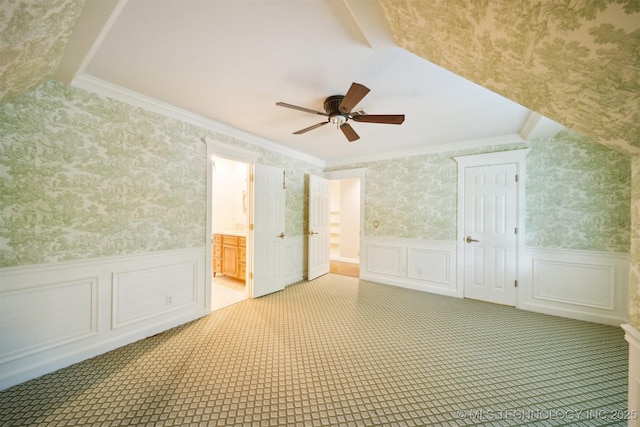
54, 315
416, 264
294, 260
583, 285
632, 335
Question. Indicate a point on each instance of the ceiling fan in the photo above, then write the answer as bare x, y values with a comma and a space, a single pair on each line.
338, 111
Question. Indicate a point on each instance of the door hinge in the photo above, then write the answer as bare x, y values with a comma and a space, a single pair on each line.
515, 230
251, 178
251, 275
515, 283
250, 226
516, 177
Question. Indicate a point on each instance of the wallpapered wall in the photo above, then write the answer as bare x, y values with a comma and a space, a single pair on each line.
574, 62
33, 36
577, 194
82, 176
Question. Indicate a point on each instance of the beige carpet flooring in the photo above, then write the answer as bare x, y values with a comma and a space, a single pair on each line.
339, 351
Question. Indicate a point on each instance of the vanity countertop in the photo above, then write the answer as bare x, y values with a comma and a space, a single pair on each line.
238, 233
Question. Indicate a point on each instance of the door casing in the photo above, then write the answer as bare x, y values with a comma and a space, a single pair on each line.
318, 237
220, 149
358, 173
517, 157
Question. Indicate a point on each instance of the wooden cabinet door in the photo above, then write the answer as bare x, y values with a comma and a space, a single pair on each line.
230, 260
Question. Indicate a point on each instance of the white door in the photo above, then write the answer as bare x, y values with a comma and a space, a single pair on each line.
490, 219
268, 230
319, 234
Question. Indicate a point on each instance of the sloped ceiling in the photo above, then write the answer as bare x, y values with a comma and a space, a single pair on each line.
576, 62
33, 37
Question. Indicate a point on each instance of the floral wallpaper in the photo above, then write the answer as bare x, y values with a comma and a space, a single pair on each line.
33, 36
574, 62
83, 176
577, 194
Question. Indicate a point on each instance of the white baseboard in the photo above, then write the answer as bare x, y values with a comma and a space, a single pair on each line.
632, 335
583, 285
54, 315
415, 264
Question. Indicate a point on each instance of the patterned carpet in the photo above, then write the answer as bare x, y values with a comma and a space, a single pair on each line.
339, 351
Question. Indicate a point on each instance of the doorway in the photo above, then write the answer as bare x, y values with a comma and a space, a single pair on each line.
259, 262
345, 225
230, 226
491, 206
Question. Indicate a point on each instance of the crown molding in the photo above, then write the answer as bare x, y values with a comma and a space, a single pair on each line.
103, 88
513, 138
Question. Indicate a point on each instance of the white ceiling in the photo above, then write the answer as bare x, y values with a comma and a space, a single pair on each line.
231, 61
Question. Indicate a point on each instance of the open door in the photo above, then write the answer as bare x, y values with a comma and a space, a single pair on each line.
319, 233
268, 230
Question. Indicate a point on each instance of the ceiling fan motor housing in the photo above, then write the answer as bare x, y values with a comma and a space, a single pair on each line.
332, 105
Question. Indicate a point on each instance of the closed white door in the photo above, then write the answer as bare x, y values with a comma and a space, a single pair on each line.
319, 233
490, 219
268, 230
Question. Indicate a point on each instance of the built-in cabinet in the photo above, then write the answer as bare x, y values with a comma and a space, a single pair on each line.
229, 255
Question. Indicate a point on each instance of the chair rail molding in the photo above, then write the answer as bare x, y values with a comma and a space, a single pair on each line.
582, 285
55, 315
411, 263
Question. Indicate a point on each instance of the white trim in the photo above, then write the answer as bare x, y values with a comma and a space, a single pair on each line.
425, 265
431, 149
503, 157
83, 293
103, 88
231, 152
7, 273
101, 36
632, 335
529, 125
351, 174
346, 173
238, 154
583, 285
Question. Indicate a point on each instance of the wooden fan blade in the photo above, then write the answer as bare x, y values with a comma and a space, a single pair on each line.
301, 131
349, 132
391, 119
295, 107
354, 95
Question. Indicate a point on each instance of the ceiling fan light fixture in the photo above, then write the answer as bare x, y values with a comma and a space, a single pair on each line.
338, 120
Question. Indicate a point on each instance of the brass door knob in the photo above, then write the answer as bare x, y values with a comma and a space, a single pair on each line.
311, 233
281, 235
469, 239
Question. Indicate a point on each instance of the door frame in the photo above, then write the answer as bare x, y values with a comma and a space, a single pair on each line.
351, 174
518, 157
323, 232
227, 151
